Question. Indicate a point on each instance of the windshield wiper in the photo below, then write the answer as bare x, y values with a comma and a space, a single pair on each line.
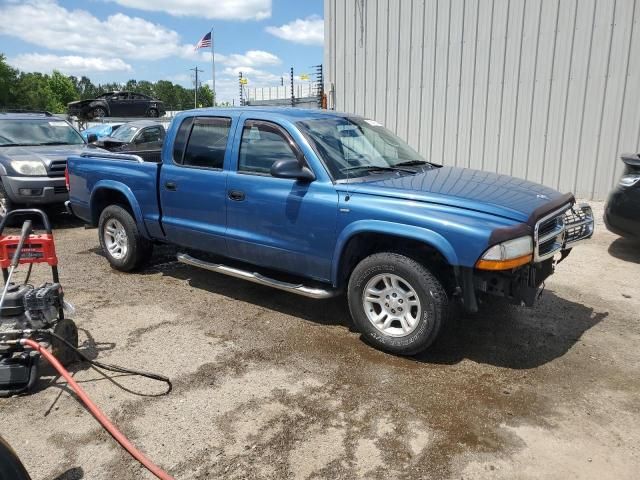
377, 168
56, 143
17, 145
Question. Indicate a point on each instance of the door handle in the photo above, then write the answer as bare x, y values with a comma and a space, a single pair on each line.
171, 186
236, 195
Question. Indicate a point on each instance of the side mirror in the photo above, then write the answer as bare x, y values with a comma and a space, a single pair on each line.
92, 137
291, 169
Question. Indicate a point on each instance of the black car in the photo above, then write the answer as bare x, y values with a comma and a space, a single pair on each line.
622, 211
141, 135
117, 104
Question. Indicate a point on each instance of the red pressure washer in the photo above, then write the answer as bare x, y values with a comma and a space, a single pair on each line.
32, 320
24, 307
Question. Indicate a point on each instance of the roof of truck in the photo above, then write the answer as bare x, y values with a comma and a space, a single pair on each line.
288, 113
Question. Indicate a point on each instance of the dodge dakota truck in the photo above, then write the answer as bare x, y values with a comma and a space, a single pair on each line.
318, 203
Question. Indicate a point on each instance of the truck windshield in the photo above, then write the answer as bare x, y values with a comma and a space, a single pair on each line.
353, 147
30, 132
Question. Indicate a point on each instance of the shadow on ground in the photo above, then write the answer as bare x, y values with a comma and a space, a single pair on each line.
625, 249
501, 335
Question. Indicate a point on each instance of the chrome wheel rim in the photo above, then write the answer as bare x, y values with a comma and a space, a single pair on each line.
115, 239
391, 305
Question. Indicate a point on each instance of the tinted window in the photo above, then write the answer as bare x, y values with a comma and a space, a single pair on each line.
50, 131
262, 144
207, 142
181, 139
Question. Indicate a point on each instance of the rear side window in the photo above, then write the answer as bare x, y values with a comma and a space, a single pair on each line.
207, 143
262, 144
181, 139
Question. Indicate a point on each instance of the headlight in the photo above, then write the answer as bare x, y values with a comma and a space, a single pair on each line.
507, 255
629, 180
29, 167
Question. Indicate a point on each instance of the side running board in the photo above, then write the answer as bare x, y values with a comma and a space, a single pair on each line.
255, 277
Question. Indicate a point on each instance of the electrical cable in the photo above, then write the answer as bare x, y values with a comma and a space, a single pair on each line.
97, 413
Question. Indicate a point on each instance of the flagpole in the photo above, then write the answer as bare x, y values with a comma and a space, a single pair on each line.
213, 72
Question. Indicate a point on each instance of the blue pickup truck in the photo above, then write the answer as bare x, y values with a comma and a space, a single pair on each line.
319, 203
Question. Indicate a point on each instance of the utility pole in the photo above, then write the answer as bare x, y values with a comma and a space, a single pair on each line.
195, 90
241, 89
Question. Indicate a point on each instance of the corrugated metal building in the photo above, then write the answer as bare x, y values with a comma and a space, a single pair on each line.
547, 90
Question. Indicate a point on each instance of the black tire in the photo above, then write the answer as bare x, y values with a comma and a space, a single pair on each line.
152, 112
98, 112
10, 465
138, 250
433, 303
66, 329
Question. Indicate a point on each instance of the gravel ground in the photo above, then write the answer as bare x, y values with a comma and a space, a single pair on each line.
271, 385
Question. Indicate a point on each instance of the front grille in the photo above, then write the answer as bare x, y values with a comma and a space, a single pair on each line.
56, 169
560, 229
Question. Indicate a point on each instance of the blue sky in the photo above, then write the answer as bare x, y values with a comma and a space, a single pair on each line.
115, 40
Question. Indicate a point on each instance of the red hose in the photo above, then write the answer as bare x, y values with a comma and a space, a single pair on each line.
97, 413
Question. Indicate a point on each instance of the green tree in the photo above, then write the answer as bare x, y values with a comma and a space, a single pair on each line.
63, 89
8, 80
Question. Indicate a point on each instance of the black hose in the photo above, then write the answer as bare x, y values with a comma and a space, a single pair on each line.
110, 367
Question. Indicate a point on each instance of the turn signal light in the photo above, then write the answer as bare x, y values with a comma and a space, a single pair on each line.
507, 255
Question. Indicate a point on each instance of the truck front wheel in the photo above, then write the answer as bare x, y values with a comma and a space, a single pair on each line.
121, 241
397, 304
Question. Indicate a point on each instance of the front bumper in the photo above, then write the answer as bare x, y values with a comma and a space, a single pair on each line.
35, 190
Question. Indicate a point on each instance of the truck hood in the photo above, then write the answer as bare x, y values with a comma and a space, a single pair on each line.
486, 192
45, 153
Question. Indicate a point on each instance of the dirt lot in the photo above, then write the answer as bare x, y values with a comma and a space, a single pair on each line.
271, 385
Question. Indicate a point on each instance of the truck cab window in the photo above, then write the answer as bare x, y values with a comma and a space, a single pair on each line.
262, 144
207, 143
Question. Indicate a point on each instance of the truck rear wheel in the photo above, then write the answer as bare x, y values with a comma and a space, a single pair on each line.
397, 304
121, 241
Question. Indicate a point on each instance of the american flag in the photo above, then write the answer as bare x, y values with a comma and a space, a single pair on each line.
205, 42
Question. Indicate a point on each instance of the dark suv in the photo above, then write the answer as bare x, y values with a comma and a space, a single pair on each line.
33, 155
117, 104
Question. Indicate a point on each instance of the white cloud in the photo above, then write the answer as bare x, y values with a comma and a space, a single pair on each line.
218, 9
308, 31
250, 58
70, 64
47, 24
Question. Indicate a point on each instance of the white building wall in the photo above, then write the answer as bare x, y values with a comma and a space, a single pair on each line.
547, 90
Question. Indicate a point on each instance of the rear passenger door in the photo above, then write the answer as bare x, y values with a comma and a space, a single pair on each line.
193, 185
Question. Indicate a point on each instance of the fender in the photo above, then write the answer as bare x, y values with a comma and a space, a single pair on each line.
423, 235
3, 170
126, 191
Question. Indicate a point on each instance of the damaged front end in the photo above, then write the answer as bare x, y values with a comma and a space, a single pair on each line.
516, 268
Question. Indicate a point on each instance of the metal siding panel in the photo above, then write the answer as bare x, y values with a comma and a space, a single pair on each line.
456, 35
404, 67
542, 89
577, 92
360, 79
467, 82
608, 148
329, 41
341, 44
428, 78
596, 93
511, 85
629, 140
383, 60
496, 78
559, 85
416, 78
392, 72
440, 86
483, 71
372, 58
351, 34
